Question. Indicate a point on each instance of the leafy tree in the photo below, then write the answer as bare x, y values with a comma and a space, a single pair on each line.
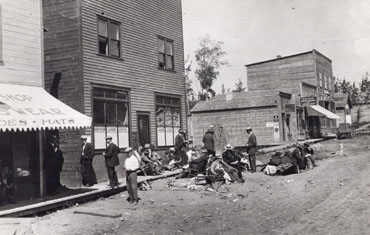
223, 89
209, 59
191, 98
239, 87
354, 93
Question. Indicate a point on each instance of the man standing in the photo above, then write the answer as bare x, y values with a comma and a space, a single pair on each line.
209, 142
251, 149
111, 161
50, 166
87, 169
132, 164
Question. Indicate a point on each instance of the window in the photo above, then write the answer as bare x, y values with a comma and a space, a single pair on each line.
168, 119
320, 80
110, 109
329, 83
109, 37
165, 54
325, 81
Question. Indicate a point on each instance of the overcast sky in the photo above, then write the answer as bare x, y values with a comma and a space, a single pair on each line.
257, 30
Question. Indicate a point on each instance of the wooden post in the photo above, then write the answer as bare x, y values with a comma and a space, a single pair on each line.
41, 164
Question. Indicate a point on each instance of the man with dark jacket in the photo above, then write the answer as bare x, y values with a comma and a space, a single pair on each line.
51, 164
252, 149
233, 158
111, 161
87, 169
209, 142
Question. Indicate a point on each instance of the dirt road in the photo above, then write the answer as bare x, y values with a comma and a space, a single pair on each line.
331, 199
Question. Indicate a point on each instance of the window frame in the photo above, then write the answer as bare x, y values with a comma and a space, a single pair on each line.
165, 54
98, 36
174, 106
106, 125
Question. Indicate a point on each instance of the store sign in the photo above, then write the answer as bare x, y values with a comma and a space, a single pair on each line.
290, 108
310, 100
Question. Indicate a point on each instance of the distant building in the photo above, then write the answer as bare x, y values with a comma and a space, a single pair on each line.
122, 63
288, 99
343, 107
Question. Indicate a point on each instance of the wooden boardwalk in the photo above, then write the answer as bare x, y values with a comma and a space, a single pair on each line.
97, 191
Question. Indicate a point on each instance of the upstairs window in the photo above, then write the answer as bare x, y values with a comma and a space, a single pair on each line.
109, 40
320, 80
165, 54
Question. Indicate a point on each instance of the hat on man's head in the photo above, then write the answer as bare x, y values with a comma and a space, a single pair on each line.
172, 149
306, 144
181, 131
228, 146
108, 137
128, 149
146, 146
249, 128
83, 137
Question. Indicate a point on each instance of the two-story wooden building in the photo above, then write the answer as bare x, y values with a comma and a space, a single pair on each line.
26, 109
288, 99
121, 62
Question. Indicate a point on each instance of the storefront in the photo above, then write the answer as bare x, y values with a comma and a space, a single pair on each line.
26, 112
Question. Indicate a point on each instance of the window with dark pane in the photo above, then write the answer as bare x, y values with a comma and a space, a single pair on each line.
165, 54
168, 119
110, 108
109, 37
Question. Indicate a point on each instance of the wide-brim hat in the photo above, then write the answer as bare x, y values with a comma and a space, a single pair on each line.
228, 146
128, 149
172, 149
146, 146
108, 137
249, 128
83, 137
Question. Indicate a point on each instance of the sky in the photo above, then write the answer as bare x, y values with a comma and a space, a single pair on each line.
257, 30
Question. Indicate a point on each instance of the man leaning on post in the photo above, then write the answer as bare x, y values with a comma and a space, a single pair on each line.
252, 149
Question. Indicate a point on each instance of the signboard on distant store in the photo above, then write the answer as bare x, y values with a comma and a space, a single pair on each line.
309, 100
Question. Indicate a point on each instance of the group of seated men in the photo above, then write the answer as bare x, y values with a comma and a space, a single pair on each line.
291, 162
151, 161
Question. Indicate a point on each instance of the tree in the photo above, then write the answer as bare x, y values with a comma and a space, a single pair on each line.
239, 87
209, 59
354, 93
223, 89
192, 100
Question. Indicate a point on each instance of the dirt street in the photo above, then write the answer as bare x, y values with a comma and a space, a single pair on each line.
330, 199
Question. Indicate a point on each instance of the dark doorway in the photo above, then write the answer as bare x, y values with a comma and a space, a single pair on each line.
143, 129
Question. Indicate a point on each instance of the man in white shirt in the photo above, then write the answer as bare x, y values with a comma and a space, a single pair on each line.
132, 164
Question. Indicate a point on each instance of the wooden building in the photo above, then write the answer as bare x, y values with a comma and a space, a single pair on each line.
298, 74
343, 107
26, 109
122, 63
288, 99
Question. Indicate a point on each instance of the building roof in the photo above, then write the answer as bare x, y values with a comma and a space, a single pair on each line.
289, 56
341, 100
243, 100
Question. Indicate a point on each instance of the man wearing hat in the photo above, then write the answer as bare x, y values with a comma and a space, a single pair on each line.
51, 165
87, 169
111, 161
233, 158
209, 142
132, 164
252, 149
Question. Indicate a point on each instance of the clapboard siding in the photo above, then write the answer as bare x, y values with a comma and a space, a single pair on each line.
20, 50
141, 23
63, 53
71, 47
285, 73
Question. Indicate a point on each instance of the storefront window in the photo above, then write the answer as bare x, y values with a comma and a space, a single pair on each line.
110, 108
168, 120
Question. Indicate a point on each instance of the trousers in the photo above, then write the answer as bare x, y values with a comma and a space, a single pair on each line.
112, 175
131, 183
252, 162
